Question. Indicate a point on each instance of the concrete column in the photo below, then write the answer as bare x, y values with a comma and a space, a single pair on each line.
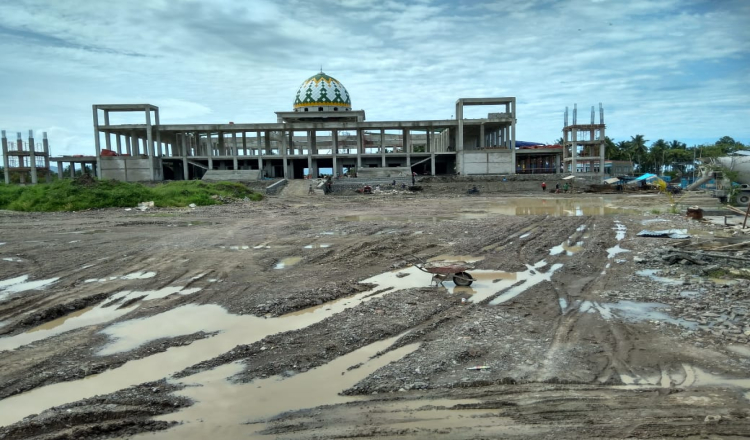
72, 170
260, 154
107, 140
482, 142
127, 145
432, 164
382, 148
573, 150
149, 146
360, 149
513, 144
283, 149
460, 131
21, 159
59, 170
96, 141
557, 163
428, 142
119, 144
184, 144
407, 145
244, 143
158, 130
601, 159
222, 148
267, 143
310, 165
32, 158
335, 148
210, 151
45, 145
6, 164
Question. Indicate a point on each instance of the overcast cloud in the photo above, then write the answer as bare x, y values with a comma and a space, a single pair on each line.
663, 68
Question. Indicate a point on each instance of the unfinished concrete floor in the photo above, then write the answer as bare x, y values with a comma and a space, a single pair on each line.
301, 318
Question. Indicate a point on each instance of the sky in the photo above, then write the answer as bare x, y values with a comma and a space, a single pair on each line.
671, 69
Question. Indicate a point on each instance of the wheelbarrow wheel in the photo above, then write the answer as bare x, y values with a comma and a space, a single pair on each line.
463, 279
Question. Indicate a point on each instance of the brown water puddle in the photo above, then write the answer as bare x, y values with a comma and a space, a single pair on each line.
232, 330
224, 409
690, 376
552, 206
82, 318
287, 262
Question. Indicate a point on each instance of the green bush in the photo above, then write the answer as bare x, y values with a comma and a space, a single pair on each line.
85, 193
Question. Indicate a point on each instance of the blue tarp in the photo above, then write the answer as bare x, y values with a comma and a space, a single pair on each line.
646, 176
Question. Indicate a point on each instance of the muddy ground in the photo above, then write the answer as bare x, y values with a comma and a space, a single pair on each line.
303, 318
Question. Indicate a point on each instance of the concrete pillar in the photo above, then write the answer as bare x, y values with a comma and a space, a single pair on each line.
158, 130
244, 143
573, 150
96, 141
335, 149
32, 158
406, 138
360, 148
432, 164
6, 164
513, 145
128, 148
260, 153
149, 145
59, 170
310, 165
428, 142
283, 152
184, 143
382, 148
119, 144
482, 142
45, 146
107, 140
460, 131
210, 151
557, 163
72, 170
21, 159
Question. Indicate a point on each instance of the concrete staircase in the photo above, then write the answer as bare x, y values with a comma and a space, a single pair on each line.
300, 189
232, 175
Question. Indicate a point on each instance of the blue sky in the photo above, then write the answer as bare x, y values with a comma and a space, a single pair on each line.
672, 69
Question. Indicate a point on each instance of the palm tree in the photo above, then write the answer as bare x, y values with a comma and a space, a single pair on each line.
638, 149
659, 155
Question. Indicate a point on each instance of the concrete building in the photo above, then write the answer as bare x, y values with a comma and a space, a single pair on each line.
27, 159
321, 131
584, 145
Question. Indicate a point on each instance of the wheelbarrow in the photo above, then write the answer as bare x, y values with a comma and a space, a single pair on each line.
441, 270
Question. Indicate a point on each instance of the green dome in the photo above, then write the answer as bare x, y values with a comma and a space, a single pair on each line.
322, 93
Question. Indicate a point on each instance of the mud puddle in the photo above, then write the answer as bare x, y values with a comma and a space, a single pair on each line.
232, 330
81, 318
651, 273
21, 284
227, 410
633, 311
686, 376
287, 262
141, 275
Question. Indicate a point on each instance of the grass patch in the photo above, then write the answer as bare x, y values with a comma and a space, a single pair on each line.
655, 211
85, 193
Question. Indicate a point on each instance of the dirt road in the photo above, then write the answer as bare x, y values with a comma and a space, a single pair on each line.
302, 318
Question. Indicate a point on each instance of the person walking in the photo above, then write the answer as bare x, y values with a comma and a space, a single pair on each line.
565, 187
557, 188
544, 186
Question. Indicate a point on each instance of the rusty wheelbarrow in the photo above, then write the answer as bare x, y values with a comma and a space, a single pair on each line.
441, 270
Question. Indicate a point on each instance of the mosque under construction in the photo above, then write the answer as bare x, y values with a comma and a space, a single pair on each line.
322, 133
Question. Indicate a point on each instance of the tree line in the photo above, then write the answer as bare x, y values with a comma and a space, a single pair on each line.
673, 158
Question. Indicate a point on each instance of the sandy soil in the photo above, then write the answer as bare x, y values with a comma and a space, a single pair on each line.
303, 317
